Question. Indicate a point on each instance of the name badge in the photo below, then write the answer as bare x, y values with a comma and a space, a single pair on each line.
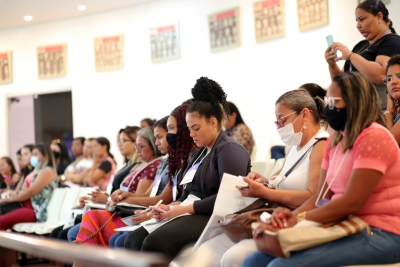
190, 174
156, 185
124, 188
175, 187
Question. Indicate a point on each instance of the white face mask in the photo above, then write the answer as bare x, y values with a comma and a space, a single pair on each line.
288, 136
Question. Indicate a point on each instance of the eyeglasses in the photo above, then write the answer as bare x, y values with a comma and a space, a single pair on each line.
281, 123
330, 101
140, 147
389, 79
123, 141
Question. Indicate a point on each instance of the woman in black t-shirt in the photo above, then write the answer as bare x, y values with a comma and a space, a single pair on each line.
369, 56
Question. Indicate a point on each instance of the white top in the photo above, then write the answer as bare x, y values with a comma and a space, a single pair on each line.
84, 164
298, 178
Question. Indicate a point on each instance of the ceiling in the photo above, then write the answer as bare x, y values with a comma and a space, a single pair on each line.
12, 12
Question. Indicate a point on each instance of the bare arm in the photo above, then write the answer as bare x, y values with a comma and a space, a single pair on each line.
166, 196
45, 177
375, 70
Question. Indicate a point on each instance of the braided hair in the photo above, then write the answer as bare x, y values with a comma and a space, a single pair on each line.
374, 7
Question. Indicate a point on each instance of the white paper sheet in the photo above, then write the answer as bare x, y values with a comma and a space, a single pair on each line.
229, 200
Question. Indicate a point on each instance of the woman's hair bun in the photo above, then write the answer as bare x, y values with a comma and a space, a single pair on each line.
208, 90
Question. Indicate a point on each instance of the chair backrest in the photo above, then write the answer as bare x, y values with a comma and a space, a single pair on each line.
260, 167
253, 153
71, 196
278, 165
270, 166
56, 200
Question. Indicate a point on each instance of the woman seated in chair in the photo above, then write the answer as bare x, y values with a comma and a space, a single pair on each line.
299, 117
138, 182
359, 177
392, 82
103, 165
237, 129
31, 203
9, 173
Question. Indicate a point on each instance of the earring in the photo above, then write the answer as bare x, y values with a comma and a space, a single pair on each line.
214, 131
304, 126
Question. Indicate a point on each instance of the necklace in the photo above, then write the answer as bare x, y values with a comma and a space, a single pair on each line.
205, 149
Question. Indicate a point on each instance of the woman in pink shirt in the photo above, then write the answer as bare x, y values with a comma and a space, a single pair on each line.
361, 166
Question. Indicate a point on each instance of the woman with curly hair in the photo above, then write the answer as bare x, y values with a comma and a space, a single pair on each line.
217, 154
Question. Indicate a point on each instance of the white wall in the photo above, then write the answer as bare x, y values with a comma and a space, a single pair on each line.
253, 75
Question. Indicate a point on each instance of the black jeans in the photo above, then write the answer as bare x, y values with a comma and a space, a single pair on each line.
169, 238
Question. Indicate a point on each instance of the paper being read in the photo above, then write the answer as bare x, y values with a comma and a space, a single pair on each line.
240, 182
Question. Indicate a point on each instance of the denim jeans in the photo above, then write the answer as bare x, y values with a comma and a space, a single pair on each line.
380, 248
73, 232
118, 240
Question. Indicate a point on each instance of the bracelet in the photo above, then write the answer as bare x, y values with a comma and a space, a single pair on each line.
388, 112
350, 56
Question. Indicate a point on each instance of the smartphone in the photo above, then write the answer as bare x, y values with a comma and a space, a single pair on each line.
329, 40
157, 209
242, 187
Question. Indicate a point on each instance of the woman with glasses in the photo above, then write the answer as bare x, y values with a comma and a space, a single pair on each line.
299, 118
359, 177
392, 82
126, 145
369, 56
139, 182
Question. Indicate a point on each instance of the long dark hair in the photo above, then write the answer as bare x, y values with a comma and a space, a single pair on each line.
209, 99
374, 7
233, 108
47, 153
11, 164
178, 158
64, 156
26, 170
104, 142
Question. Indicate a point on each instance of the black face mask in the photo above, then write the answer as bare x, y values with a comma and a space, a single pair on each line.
336, 118
56, 154
172, 139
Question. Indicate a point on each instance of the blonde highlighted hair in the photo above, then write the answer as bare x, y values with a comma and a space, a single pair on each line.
363, 106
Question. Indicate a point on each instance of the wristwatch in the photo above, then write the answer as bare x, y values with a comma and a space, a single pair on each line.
301, 216
388, 112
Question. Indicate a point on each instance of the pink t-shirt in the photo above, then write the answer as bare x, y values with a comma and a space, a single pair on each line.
375, 149
28, 179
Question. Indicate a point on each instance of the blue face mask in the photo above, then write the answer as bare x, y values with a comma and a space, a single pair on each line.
35, 161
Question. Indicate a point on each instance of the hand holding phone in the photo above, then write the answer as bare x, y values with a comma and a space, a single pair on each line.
329, 40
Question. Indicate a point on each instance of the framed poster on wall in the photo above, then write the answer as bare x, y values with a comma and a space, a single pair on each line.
224, 30
165, 43
52, 61
6, 75
109, 52
269, 19
312, 13
384, 1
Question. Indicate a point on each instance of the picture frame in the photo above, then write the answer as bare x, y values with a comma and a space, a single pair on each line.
109, 52
312, 13
224, 30
52, 61
386, 2
269, 19
6, 67
165, 43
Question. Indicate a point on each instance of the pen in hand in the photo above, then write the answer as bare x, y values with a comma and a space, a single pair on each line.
158, 203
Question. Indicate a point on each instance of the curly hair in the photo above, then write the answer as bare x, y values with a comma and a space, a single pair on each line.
178, 158
209, 99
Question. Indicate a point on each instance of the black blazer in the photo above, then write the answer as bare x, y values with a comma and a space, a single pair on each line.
226, 156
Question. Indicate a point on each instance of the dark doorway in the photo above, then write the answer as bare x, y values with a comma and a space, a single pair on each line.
53, 117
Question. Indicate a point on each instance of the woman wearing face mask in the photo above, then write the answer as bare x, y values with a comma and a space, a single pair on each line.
299, 117
61, 155
37, 193
359, 176
218, 154
180, 149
